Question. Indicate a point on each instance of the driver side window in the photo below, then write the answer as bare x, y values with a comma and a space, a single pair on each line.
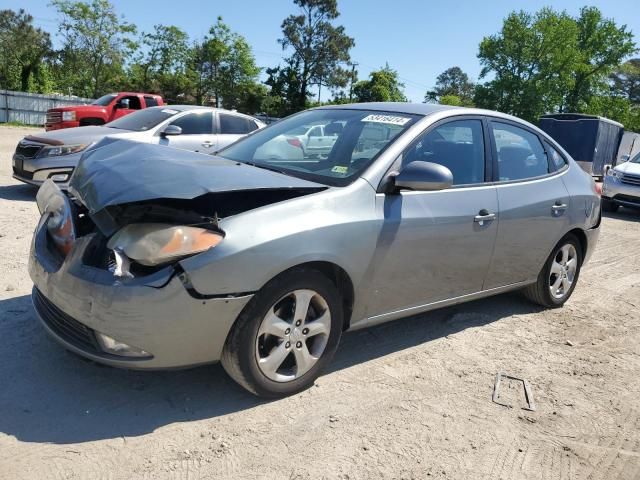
457, 145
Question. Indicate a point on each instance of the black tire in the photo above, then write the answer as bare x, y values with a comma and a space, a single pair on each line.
539, 292
609, 206
239, 354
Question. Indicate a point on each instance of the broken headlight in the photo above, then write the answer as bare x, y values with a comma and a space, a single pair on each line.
59, 222
152, 244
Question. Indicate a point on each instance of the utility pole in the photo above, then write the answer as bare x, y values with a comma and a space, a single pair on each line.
353, 76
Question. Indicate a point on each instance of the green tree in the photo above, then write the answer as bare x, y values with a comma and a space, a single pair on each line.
96, 44
453, 82
602, 46
24, 50
320, 50
626, 80
223, 68
549, 61
383, 86
162, 65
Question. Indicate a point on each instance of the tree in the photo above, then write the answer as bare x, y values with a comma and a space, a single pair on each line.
626, 80
319, 49
162, 66
453, 82
23, 51
602, 46
549, 61
96, 43
383, 86
223, 68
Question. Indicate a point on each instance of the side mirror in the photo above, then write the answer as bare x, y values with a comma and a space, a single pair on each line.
123, 103
424, 176
170, 131
624, 158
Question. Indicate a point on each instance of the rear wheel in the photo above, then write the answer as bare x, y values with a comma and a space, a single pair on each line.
286, 335
559, 275
609, 205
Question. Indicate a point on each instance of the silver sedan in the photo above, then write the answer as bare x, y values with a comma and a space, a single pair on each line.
55, 154
159, 258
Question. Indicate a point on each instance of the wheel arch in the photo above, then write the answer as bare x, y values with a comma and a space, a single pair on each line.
582, 239
339, 277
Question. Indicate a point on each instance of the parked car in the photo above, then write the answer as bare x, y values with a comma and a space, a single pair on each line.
201, 129
160, 259
622, 186
317, 140
105, 109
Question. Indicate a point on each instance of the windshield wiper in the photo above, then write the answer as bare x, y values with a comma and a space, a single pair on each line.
266, 167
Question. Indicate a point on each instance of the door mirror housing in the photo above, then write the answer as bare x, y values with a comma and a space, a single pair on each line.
171, 130
423, 176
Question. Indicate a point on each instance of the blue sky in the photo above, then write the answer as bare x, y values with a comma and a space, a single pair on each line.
418, 38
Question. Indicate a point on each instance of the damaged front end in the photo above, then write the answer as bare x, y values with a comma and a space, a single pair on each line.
108, 282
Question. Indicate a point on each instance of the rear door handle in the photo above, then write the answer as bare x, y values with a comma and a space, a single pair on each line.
484, 216
559, 208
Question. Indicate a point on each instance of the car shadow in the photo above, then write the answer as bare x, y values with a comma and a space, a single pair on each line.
51, 395
624, 213
18, 192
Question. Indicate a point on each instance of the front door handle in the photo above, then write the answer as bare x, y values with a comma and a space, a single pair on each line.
484, 216
207, 144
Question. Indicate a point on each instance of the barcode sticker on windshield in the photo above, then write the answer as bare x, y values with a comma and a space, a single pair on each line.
389, 119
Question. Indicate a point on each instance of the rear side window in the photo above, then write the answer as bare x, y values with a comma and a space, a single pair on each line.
520, 153
557, 160
195, 123
232, 124
458, 145
151, 101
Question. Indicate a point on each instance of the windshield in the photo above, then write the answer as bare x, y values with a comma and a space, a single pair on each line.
635, 159
143, 120
350, 142
105, 100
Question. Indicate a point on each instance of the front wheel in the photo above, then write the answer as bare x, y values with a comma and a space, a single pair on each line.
559, 275
286, 335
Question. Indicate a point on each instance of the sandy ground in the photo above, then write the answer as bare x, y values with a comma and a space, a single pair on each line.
407, 400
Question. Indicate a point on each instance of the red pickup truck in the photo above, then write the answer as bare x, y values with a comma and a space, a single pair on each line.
103, 110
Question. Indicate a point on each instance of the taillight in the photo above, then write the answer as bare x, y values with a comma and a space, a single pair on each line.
597, 188
295, 142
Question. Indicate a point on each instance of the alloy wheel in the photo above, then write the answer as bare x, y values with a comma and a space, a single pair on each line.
563, 271
293, 335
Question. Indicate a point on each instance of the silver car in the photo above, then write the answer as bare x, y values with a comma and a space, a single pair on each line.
55, 154
159, 258
622, 186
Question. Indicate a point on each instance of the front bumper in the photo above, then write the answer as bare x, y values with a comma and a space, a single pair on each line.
625, 194
154, 313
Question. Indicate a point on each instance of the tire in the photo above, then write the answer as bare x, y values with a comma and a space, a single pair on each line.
266, 329
609, 206
541, 291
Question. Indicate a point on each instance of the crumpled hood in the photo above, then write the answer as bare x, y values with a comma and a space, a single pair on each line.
116, 172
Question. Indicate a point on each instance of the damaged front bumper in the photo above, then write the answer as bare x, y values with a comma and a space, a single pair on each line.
155, 313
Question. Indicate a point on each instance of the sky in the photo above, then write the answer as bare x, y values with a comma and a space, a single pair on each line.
418, 38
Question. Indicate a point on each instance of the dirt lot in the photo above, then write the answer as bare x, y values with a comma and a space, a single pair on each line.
406, 400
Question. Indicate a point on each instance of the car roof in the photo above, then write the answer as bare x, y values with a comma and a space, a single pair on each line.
186, 108
396, 107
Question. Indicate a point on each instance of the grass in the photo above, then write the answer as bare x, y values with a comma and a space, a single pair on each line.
18, 124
